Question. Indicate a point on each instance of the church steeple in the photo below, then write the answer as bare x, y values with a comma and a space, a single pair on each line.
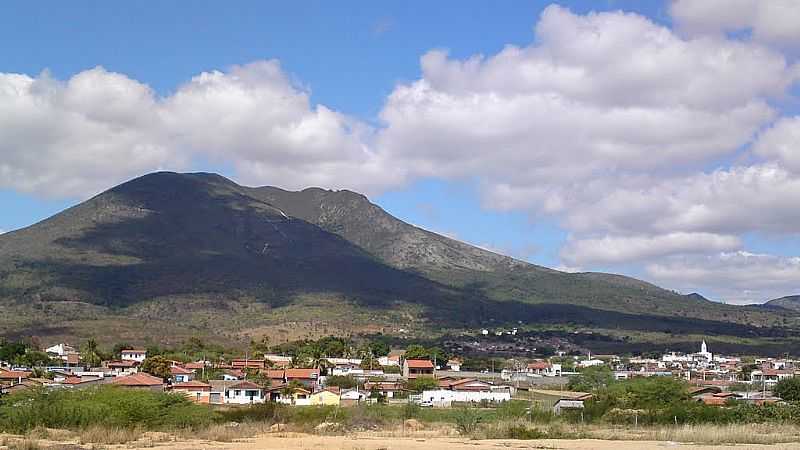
703, 347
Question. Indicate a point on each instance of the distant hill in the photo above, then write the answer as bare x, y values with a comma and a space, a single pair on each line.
187, 254
790, 302
697, 297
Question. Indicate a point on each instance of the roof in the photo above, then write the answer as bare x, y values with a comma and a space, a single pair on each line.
122, 364
419, 364
191, 385
245, 385
73, 358
275, 374
539, 365
133, 350
177, 370
194, 365
80, 380
13, 374
302, 373
138, 379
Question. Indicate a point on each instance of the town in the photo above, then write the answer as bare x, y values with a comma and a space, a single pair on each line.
378, 374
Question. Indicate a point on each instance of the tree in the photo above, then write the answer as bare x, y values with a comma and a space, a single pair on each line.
90, 355
157, 366
591, 379
342, 381
420, 384
788, 389
416, 351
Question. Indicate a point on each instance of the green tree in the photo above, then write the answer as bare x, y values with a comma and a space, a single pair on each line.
788, 389
342, 381
420, 384
591, 379
416, 351
90, 355
157, 366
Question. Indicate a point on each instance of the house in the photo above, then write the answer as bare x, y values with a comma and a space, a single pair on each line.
276, 376
567, 404
59, 350
307, 377
465, 384
196, 391
289, 395
386, 388
444, 398
181, 375
414, 368
140, 381
132, 354
122, 367
353, 397
195, 366
326, 397
454, 364
232, 375
392, 359
770, 376
717, 398
13, 376
235, 392
79, 382
247, 363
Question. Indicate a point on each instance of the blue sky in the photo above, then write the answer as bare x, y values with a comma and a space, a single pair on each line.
355, 57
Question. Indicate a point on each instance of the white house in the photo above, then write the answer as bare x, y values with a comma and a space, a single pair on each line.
131, 354
443, 397
235, 393
564, 404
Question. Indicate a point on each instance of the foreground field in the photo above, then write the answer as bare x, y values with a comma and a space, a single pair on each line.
373, 441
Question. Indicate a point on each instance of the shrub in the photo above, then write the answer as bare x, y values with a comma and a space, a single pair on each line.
788, 389
467, 420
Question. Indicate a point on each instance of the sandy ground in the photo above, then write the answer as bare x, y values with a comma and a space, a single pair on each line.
312, 442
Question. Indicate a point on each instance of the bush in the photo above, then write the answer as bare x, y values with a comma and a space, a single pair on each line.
788, 389
467, 420
108, 406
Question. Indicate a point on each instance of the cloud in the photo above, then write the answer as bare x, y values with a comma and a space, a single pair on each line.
738, 277
768, 21
781, 143
77, 137
617, 249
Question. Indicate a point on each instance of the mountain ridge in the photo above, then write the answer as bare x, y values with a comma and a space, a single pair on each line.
199, 245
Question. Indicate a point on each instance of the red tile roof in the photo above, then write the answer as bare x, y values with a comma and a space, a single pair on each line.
138, 379
192, 385
419, 364
175, 370
309, 374
13, 374
122, 364
275, 374
539, 365
194, 365
245, 385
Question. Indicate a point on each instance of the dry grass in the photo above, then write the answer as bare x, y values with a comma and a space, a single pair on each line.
226, 433
108, 435
726, 434
20, 444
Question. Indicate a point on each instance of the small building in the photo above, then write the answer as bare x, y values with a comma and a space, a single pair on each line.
388, 389
465, 385
326, 397
235, 392
415, 368
567, 404
454, 364
133, 354
181, 375
352, 397
140, 380
444, 398
307, 377
289, 395
13, 376
195, 391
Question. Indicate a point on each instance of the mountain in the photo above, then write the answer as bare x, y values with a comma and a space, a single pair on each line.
790, 302
696, 296
169, 255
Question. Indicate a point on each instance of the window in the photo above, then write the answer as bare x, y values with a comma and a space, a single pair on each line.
237, 392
